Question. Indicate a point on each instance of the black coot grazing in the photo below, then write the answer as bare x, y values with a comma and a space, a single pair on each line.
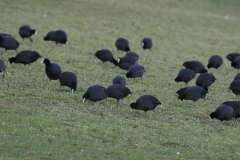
118, 92
235, 87
2, 67
68, 79
60, 36
132, 54
126, 62
205, 80
25, 57
181, 91
232, 56
223, 112
122, 44
146, 43
135, 71
237, 76
26, 32
53, 70
215, 61
193, 93
185, 75
8, 42
236, 63
119, 80
145, 103
105, 55
49, 36
196, 66
96, 93
236, 107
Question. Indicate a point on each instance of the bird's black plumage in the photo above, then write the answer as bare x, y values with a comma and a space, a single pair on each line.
146, 43
181, 91
95, 93
2, 67
236, 63
26, 32
205, 80
232, 56
126, 62
146, 103
118, 91
235, 87
119, 80
215, 61
193, 93
105, 55
60, 36
132, 54
236, 107
196, 66
185, 75
49, 36
135, 71
8, 42
53, 70
25, 57
223, 112
122, 44
237, 76
68, 79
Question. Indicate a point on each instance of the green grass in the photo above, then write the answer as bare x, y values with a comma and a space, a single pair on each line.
39, 122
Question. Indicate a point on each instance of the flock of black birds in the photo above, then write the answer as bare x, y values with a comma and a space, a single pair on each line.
129, 62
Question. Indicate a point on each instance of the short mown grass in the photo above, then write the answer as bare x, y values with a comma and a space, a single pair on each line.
39, 122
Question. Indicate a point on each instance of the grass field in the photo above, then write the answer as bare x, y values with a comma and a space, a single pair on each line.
39, 122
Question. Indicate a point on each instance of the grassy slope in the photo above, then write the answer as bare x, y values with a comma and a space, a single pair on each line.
38, 122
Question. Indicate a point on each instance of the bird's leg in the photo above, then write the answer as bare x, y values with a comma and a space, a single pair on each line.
107, 101
72, 90
3, 74
154, 111
22, 40
142, 80
31, 40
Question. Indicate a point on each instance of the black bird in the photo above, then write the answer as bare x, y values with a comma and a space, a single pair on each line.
53, 70
196, 66
237, 76
236, 107
8, 42
118, 92
145, 103
181, 91
68, 79
126, 62
205, 80
223, 112
26, 32
132, 54
235, 87
106, 55
146, 43
215, 61
236, 63
119, 80
60, 36
96, 93
193, 93
135, 71
49, 36
122, 44
185, 75
25, 57
2, 67
232, 56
